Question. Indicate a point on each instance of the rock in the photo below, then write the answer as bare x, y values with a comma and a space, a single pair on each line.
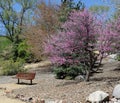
8, 91
116, 92
112, 57
114, 100
30, 99
51, 101
60, 101
17, 96
1, 88
64, 101
54, 101
37, 100
24, 99
98, 97
42, 101
118, 101
79, 78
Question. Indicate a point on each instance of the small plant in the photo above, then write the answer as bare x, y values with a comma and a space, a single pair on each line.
11, 68
118, 57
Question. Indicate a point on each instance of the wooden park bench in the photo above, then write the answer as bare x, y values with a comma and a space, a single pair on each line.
25, 76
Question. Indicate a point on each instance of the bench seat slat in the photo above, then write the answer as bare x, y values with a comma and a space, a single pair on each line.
26, 76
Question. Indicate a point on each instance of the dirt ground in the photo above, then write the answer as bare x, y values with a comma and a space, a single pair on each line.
7, 88
45, 86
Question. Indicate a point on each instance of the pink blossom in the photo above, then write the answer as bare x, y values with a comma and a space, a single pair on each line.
82, 34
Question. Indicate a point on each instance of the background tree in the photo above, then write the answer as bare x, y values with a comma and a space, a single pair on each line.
108, 40
114, 4
45, 24
13, 17
99, 9
67, 6
117, 8
46, 17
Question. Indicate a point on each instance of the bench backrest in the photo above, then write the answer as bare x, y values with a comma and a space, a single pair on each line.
27, 76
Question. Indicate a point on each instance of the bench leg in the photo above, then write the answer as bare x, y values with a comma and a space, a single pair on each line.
18, 80
31, 82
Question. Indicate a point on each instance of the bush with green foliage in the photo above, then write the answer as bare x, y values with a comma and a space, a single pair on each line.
11, 68
4, 43
70, 72
5, 48
21, 50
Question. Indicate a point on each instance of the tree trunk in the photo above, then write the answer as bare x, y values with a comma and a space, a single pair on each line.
87, 75
101, 58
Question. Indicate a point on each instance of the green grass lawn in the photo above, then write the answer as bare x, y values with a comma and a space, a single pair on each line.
4, 43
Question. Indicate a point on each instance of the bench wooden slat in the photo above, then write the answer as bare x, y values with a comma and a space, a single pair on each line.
26, 76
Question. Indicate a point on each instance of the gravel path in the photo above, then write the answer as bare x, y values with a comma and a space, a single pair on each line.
47, 87
6, 79
6, 89
4, 99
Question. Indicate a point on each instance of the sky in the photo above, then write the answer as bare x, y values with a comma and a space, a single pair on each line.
88, 3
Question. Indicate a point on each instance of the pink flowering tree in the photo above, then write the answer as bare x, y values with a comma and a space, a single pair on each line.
75, 45
109, 38
118, 40
115, 27
76, 42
